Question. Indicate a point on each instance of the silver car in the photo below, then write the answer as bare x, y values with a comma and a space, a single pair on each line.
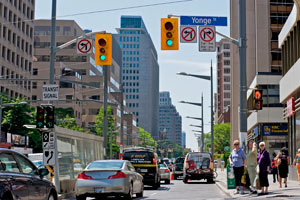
164, 173
109, 178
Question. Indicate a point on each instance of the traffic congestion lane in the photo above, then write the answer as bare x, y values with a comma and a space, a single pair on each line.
198, 190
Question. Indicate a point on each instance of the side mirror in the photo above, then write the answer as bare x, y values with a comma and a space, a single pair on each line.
43, 172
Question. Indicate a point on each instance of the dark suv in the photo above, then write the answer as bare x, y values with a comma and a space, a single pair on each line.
198, 166
145, 161
178, 167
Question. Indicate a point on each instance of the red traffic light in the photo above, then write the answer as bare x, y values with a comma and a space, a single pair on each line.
102, 42
169, 26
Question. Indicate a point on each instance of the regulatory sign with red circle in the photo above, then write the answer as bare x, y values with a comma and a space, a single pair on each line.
84, 46
207, 34
188, 34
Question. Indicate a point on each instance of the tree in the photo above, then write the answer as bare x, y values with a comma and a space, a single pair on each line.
165, 145
146, 138
221, 137
69, 123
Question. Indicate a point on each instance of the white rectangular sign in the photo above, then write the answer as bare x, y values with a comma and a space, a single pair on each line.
48, 140
207, 38
49, 157
50, 92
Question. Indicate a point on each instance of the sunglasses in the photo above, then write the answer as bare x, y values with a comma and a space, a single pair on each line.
236, 144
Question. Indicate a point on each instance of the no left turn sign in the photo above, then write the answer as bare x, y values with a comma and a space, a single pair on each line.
188, 34
84, 46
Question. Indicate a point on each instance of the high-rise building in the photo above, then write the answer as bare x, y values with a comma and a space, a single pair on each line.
183, 140
223, 82
265, 19
16, 47
140, 72
170, 121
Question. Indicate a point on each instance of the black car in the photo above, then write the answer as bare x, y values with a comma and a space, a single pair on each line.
145, 161
21, 179
178, 167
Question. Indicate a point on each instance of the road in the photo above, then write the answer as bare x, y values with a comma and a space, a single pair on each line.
178, 190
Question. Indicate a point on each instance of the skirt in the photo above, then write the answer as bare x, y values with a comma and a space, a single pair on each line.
263, 179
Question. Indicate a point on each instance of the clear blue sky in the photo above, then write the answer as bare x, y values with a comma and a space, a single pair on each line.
187, 59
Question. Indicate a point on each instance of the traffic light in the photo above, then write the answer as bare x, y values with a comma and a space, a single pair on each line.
50, 117
169, 34
257, 99
40, 117
103, 49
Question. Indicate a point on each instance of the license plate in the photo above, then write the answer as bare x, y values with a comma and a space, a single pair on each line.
99, 190
144, 170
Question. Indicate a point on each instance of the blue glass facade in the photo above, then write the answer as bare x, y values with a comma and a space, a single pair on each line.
132, 22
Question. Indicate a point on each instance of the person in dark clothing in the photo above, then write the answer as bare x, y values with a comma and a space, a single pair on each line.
274, 168
264, 162
283, 168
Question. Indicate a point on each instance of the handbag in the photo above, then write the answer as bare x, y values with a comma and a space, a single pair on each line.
257, 169
278, 162
257, 166
257, 183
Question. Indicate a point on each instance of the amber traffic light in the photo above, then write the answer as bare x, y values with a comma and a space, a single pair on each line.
257, 99
169, 34
103, 49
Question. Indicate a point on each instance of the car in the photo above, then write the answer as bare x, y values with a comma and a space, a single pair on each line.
104, 178
164, 173
198, 166
21, 179
145, 161
38, 163
178, 167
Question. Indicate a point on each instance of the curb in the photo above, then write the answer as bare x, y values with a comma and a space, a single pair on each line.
223, 189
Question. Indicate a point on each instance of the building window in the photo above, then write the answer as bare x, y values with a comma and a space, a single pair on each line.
35, 71
34, 97
226, 62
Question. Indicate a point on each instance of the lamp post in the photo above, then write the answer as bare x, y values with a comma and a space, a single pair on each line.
209, 78
202, 121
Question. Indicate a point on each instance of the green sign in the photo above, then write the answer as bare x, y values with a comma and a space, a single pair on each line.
230, 178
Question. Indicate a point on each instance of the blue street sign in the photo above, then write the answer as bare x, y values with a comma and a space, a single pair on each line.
203, 21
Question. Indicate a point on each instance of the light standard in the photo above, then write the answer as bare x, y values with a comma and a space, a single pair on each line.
1, 107
209, 78
202, 121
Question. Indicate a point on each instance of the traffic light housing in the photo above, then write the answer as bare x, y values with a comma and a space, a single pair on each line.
40, 117
49, 116
169, 34
103, 49
257, 99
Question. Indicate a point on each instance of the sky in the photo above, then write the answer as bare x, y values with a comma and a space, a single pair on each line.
186, 59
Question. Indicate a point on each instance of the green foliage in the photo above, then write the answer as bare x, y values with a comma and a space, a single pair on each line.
221, 138
146, 138
178, 150
69, 123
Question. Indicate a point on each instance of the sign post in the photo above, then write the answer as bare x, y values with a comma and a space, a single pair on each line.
207, 39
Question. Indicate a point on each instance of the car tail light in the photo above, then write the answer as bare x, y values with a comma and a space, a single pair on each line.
175, 166
154, 161
117, 175
166, 170
83, 176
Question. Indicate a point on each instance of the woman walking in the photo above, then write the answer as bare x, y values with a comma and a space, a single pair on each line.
237, 159
251, 165
297, 162
263, 161
283, 161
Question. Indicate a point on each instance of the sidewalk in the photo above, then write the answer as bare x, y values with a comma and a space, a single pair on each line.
293, 189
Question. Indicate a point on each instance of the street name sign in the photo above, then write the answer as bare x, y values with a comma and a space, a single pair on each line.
49, 157
188, 34
84, 46
48, 140
203, 21
50, 92
207, 38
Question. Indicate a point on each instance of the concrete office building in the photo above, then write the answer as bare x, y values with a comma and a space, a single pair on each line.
16, 46
290, 83
223, 82
265, 19
183, 140
169, 119
140, 72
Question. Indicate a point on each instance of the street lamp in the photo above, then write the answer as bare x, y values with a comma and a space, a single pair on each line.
209, 78
196, 126
197, 118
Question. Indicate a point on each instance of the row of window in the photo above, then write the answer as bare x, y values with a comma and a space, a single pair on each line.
132, 105
16, 59
132, 97
131, 90
47, 45
60, 58
7, 73
131, 84
129, 39
131, 53
131, 65
131, 59
134, 46
130, 78
130, 71
22, 7
46, 30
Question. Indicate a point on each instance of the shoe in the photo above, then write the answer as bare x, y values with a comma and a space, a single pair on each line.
260, 194
274, 181
266, 193
254, 192
237, 192
242, 192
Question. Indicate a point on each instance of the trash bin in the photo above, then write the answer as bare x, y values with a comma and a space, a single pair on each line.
230, 177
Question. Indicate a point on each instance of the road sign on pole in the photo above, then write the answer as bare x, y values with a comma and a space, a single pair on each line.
48, 140
207, 39
50, 92
188, 34
49, 157
84, 46
203, 21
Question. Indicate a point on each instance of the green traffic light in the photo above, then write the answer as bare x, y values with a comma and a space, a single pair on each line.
102, 57
169, 42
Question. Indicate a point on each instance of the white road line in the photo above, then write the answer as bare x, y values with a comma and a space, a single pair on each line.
153, 194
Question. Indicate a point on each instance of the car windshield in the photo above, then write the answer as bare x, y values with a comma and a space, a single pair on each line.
139, 157
179, 160
167, 162
162, 165
105, 165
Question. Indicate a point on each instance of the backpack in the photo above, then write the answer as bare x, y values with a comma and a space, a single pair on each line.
273, 165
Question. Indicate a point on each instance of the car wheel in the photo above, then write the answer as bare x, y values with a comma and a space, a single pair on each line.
185, 180
80, 198
51, 197
167, 181
141, 194
210, 180
130, 193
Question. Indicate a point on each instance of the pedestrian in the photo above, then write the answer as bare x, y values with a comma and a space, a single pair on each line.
274, 169
237, 159
283, 161
251, 161
297, 162
263, 161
